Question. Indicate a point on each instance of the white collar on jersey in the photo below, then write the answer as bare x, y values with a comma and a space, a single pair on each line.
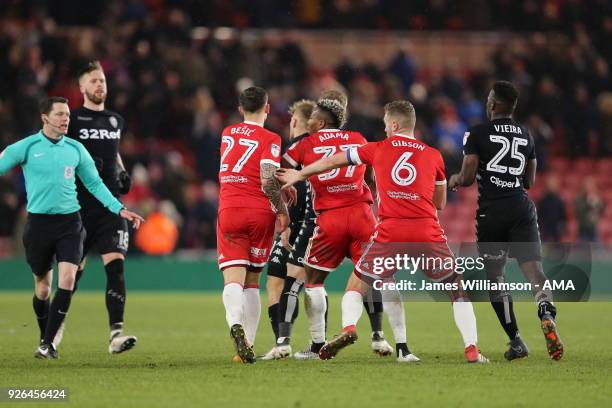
406, 136
329, 130
250, 122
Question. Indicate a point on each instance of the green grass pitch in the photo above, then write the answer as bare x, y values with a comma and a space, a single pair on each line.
183, 359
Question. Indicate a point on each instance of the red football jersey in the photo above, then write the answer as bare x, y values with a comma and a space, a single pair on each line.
336, 188
244, 147
407, 172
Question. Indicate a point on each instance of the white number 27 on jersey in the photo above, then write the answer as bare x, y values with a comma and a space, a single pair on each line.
251, 146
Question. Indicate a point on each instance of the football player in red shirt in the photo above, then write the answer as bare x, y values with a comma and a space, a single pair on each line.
411, 185
345, 221
250, 204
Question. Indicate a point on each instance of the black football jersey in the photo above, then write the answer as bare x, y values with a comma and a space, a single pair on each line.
100, 133
503, 148
303, 210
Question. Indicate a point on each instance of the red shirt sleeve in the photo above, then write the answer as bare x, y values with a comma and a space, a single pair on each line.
440, 171
362, 154
272, 151
295, 154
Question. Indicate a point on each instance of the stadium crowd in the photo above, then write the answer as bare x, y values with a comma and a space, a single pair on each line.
177, 91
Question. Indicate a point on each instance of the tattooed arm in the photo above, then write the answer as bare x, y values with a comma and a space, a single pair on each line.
272, 189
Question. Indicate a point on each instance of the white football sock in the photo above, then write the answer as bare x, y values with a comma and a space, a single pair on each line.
466, 322
394, 308
315, 309
352, 307
232, 300
252, 312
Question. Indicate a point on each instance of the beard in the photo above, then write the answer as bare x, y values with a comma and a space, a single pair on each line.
95, 97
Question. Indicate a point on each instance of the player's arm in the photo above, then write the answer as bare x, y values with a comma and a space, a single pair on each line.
125, 181
86, 171
370, 179
439, 197
272, 189
10, 157
467, 175
289, 176
530, 173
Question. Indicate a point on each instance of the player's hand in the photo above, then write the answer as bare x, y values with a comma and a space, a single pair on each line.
282, 222
284, 239
134, 218
125, 182
288, 177
290, 196
453, 182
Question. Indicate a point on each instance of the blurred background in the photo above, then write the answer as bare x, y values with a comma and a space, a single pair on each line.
174, 69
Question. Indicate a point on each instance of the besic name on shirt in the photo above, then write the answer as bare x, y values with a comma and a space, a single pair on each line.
403, 143
242, 130
99, 134
336, 135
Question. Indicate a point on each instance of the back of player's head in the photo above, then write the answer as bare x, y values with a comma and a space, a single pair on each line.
45, 105
403, 112
303, 108
253, 99
506, 94
90, 67
334, 112
335, 94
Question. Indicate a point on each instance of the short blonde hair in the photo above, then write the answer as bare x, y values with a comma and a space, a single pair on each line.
403, 111
303, 108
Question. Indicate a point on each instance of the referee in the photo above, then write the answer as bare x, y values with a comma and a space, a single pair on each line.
50, 163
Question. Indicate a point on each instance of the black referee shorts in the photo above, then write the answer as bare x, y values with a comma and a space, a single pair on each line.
53, 236
106, 231
279, 256
508, 228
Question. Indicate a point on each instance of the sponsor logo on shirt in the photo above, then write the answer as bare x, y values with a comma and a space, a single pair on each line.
342, 188
233, 179
505, 184
68, 172
99, 134
401, 195
84, 118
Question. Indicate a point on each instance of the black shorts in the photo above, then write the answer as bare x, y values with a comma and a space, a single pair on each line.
53, 236
107, 232
279, 256
508, 228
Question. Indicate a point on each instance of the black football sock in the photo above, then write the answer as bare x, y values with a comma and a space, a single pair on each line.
41, 309
77, 278
503, 306
115, 291
273, 316
374, 306
57, 313
288, 306
403, 347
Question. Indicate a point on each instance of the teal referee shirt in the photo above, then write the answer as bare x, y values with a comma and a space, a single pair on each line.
49, 170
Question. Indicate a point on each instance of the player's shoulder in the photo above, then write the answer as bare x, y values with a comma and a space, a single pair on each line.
74, 143
112, 114
356, 135
479, 129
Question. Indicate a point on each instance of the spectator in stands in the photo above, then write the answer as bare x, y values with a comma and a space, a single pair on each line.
552, 215
589, 207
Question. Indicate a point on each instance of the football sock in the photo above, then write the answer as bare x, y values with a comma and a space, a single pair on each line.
374, 307
463, 311
273, 316
326, 310
288, 305
252, 311
233, 300
41, 309
502, 304
394, 308
57, 313
77, 278
115, 291
351, 309
315, 310
403, 348
116, 329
